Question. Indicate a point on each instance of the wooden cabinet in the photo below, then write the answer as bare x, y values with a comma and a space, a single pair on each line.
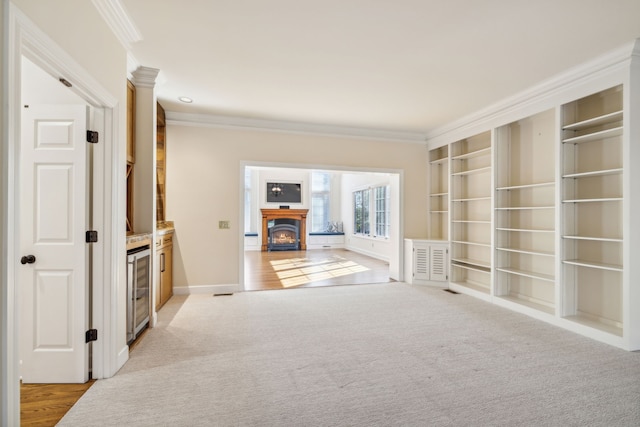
131, 122
164, 269
161, 164
131, 149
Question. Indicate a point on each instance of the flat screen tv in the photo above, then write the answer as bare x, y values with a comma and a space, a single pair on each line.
280, 192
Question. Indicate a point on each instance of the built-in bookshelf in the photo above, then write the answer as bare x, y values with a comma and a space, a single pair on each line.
525, 258
439, 193
471, 198
592, 202
544, 201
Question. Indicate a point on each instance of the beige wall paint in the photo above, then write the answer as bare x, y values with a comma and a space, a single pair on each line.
77, 27
203, 187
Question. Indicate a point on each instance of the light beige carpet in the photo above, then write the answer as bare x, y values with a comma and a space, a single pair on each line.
369, 355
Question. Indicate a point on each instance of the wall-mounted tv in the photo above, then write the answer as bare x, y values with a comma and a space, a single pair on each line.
282, 192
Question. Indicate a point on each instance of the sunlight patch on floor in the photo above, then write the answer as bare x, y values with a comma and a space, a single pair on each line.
300, 271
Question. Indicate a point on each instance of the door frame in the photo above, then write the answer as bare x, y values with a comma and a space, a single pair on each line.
396, 261
24, 38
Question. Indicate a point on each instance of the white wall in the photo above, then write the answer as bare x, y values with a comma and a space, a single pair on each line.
204, 166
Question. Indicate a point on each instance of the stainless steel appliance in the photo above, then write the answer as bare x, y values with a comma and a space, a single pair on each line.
138, 290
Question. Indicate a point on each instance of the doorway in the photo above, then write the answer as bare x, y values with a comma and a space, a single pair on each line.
332, 243
25, 39
54, 204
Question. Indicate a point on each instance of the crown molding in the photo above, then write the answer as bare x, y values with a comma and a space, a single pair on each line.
501, 112
243, 123
117, 18
145, 77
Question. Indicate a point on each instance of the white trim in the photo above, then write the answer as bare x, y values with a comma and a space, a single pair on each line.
24, 38
368, 253
118, 19
145, 77
123, 355
228, 122
530, 100
206, 289
396, 244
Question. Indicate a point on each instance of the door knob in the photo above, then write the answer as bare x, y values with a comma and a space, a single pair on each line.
28, 259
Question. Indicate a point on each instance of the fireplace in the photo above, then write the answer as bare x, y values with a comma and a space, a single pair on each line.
284, 235
299, 216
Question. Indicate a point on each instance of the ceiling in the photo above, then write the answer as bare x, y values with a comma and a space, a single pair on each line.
402, 66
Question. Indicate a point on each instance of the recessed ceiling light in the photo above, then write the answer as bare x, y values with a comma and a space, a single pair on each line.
186, 99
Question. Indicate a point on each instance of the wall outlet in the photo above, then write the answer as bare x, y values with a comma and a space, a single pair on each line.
224, 225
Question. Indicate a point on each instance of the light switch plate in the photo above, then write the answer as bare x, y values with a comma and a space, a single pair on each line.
224, 225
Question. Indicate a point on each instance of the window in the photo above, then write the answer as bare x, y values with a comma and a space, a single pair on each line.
382, 211
361, 212
247, 201
320, 201
372, 206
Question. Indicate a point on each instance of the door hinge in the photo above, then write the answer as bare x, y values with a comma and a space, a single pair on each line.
92, 137
91, 335
92, 236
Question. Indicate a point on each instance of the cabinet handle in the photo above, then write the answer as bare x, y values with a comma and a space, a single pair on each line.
162, 262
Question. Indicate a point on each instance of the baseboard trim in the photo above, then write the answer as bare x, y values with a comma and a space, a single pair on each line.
367, 253
123, 356
206, 289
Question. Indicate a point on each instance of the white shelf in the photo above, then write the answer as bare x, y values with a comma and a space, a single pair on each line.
470, 154
439, 194
603, 199
593, 239
529, 302
439, 161
616, 171
472, 199
476, 262
595, 265
524, 186
466, 242
466, 221
471, 267
600, 324
595, 136
526, 230
438, 212
531, 274
523, 208
471, 284
528, 252
472, 171
596, 121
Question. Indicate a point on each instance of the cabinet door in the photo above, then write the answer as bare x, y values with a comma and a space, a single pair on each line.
131, 123
438, 263
158, 278
420, 262
166, 274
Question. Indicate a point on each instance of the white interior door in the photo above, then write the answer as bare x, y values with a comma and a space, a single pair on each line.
53, 218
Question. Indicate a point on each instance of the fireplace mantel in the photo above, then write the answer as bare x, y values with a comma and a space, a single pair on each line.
297, 214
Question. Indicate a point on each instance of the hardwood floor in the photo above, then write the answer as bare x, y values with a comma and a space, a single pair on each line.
321, 267
45, 404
